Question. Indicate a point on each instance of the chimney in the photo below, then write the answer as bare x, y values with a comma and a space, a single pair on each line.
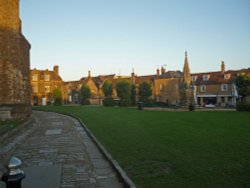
157, 72
56, 69
163, 70
222, 67
133, 73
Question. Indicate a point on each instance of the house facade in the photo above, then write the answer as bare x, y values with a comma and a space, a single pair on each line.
217, 88
174, 88
43, 83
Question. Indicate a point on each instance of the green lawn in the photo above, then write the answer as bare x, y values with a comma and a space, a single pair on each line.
173, 149
7, 125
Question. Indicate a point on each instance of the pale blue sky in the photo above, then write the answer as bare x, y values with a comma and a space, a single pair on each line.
114, 36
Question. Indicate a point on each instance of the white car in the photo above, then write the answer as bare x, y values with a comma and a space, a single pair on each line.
210, 106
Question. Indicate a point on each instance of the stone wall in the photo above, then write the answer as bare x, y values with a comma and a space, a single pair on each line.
14, 62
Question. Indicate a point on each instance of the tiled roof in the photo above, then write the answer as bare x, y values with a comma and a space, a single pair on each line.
219, 77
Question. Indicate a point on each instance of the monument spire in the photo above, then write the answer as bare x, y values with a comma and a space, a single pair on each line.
186, 71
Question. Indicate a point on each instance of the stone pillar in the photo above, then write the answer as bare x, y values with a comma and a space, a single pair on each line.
201, 101
219, 101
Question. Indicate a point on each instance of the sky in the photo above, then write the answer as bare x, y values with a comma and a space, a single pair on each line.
117, 36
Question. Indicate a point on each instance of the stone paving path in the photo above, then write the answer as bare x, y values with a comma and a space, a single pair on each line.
55, 139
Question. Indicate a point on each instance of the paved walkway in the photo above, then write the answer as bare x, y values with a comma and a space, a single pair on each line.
58, 152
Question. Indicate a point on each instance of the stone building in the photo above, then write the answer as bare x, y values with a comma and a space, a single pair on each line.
217, 88
43, 83
14, 63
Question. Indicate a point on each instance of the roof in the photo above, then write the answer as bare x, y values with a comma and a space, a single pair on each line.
218, 77
53, 75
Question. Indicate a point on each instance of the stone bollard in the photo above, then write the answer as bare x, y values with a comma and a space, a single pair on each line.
14, 174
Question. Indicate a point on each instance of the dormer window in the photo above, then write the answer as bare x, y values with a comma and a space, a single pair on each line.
194, 78
227, 76
205, 77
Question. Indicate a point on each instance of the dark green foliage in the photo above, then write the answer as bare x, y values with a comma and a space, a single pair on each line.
85, 94
123, 89
108, 91
191, 107
57, 96
243, 106
145, 91
108, 101
133, 94
243, 85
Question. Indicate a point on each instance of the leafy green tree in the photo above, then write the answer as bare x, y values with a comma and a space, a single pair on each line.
85, 94
108, 90
123, 89
133, 94
145, 91
57, 96
243, 85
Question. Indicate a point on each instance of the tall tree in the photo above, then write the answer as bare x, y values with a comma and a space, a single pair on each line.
123, 89
108, 91
243, 85
57, 96
85, 94
145, 91
107, 88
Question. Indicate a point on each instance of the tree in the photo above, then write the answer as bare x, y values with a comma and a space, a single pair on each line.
145, 91
57, 96
243, 87
85, 94
133, 94
108, 90
123, 89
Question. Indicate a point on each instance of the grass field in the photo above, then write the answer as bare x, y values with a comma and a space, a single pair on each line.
7, 125
173, 149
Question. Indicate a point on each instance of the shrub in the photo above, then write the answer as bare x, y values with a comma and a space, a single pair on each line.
241, 106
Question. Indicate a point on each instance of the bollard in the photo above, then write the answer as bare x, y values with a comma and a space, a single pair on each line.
14, 174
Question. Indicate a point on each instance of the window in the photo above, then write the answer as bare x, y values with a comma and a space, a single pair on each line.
203, 88
227, 76
47, 77
194, 78
34, 77
205, 77
224, 87
161, 87
47, 89
35, 89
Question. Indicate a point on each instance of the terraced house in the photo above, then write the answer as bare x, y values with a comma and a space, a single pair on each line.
217, 88
209, 88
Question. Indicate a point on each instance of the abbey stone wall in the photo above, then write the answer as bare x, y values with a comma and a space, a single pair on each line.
14, 63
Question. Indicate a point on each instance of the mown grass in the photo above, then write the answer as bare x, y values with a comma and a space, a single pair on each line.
173, 149
8, 125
